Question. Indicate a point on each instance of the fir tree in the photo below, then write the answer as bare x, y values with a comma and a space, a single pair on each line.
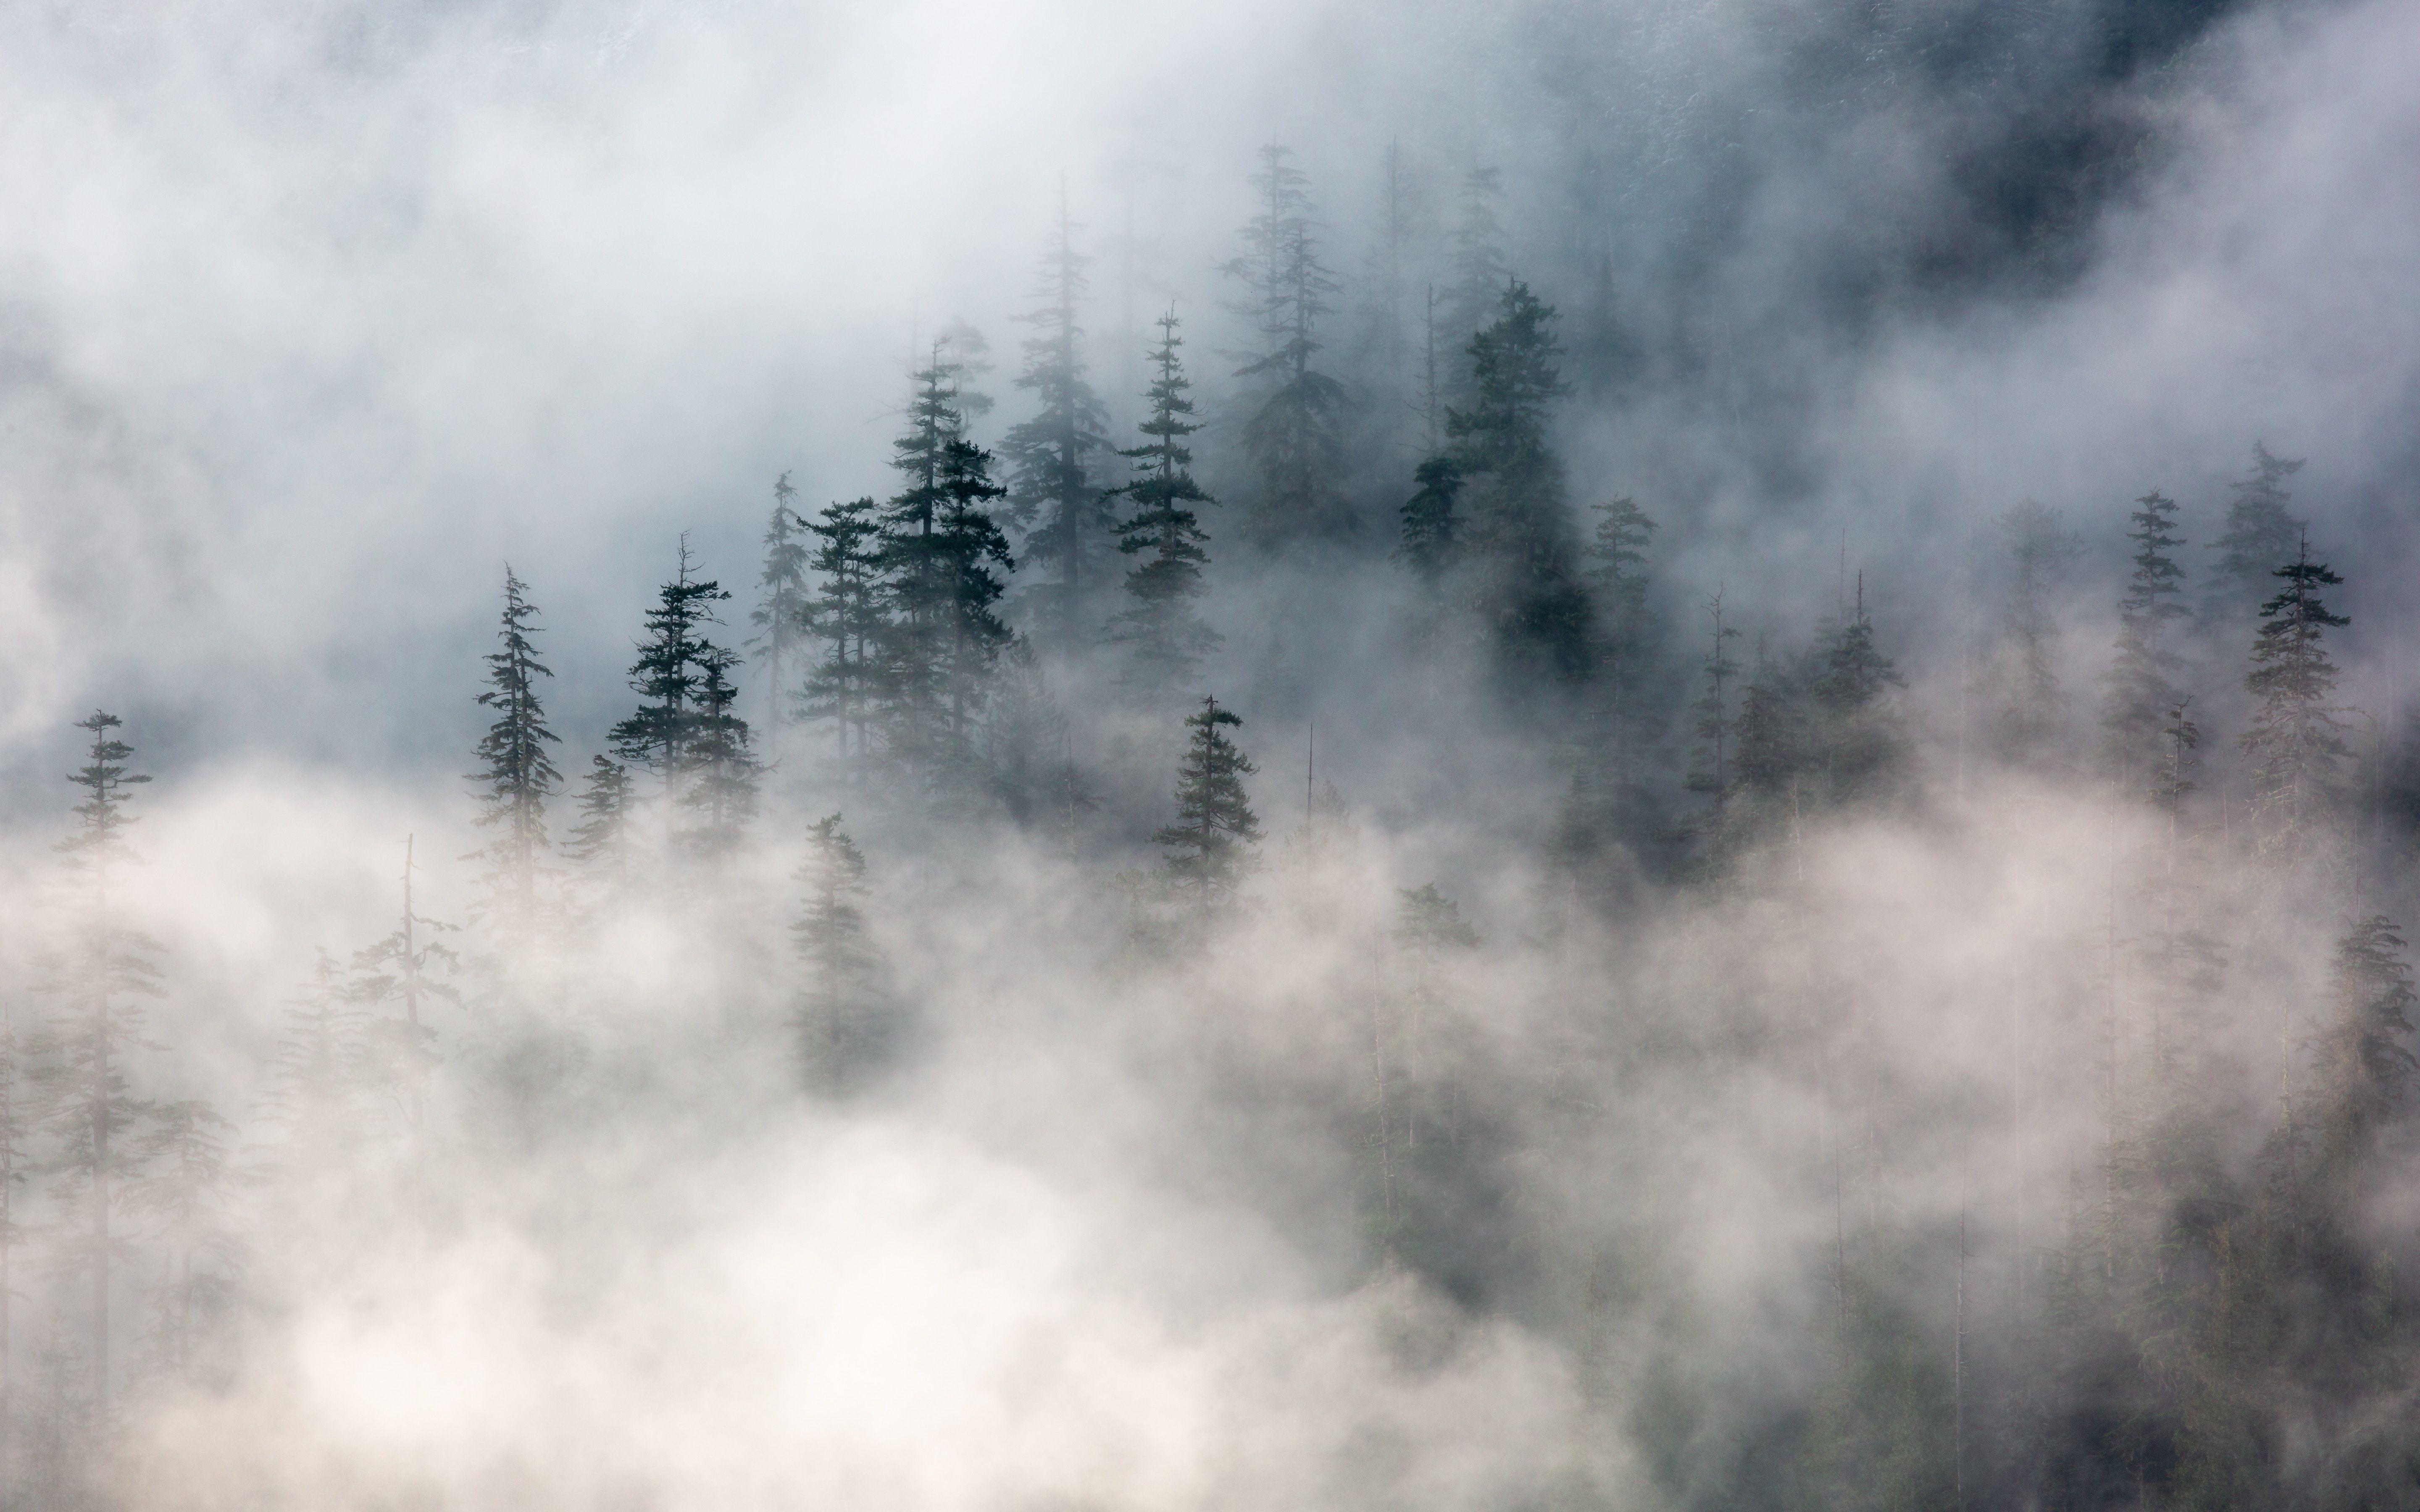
1294, 435
1773, 734
1863, 745
657, 736
835, 1002
1515, 523
1623, 617
97, 974
1165, 639
2260, 535
1711, 773
722, 762
411, 966
1209, 844
2030, 705
188, 1198
600, 844
783, 609
2296, 741
847, 618
324, 1071
515, 774
1431, 528
1480, 271
2141, 682
1052, 492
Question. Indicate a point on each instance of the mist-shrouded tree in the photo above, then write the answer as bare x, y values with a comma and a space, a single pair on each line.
782, 612
1052, 493
411, 966
1432, 528
720, 758
1772, 731
1623, 616
1480, 273
1713, 763
1165, 639
2140, 688
2295, 744
836, 1005
943, 557
2029, 707
847, 619
1025, 735
2258, 535
1210, 847
1858, 730
1515, 526
1293, 437
324, 1074
97, 972
188, 1199
517, 774
599, 844
657, 736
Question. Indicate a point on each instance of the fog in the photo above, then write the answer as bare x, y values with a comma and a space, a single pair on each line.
1903, 1096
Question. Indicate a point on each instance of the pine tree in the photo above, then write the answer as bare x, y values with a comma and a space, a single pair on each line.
515, 774
2296, 741
2141, 682
1209, 845
2030, 705
1516, 522
1294, 434
1165, 639
847, 618
657, 736
97, 973
1052, 492
943, 557
600, 844
189, 1198
835, 1002
1711, 773
722, 762
2260, 535
1863, 745
783, 609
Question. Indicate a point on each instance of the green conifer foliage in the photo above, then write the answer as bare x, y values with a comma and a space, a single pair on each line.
782, 615
847, 619
1209, 847
515, 774
1165, 639
1293, 437
2296, 741
97, 972
837, 1031
1431, 530
665, 676
2260, 535
1051, 491
2141, 686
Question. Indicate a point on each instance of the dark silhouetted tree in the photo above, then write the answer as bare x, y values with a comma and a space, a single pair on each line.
1858, 730
2296, 741
1052, 493
2260, 535
2141, 684
1210, 846
1710, 770
1293, 437
600, 844
515, 774
836, 1005
1164, 637
782, 615
1431, 528
845, 617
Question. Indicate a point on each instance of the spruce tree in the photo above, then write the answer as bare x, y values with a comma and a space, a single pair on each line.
1621, 616
1515, 523
943, 557
326, 1068
1772, 730
2296, 742
835, 1002
413, 965
720, 758
188, 1197
1165, 639
783, 609
1481, 272
1431, 528
665, 676
97, 972
1863, 745
2260, 535
847, 618
516, 775
600, 844
1293, 437
2030, 707
1209, 845
2140, 685
1051, 491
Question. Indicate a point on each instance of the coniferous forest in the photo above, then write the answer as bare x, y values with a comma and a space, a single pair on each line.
1555, 757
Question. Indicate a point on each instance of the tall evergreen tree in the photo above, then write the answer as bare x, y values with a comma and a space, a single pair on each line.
1293, 437
943, 557
2030, 707
1051, 491
600, 844
847, 618
1481, 272
722, 759
1623, 617
413, 967
2296, 741
1711, 770
97, 972
836, 1003
1164, 637
324, 1074
2260, 535
516, 775
783, 609
2141, 685
1516, 526
1862, 744
1431, 526
1209, 845
657, 736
